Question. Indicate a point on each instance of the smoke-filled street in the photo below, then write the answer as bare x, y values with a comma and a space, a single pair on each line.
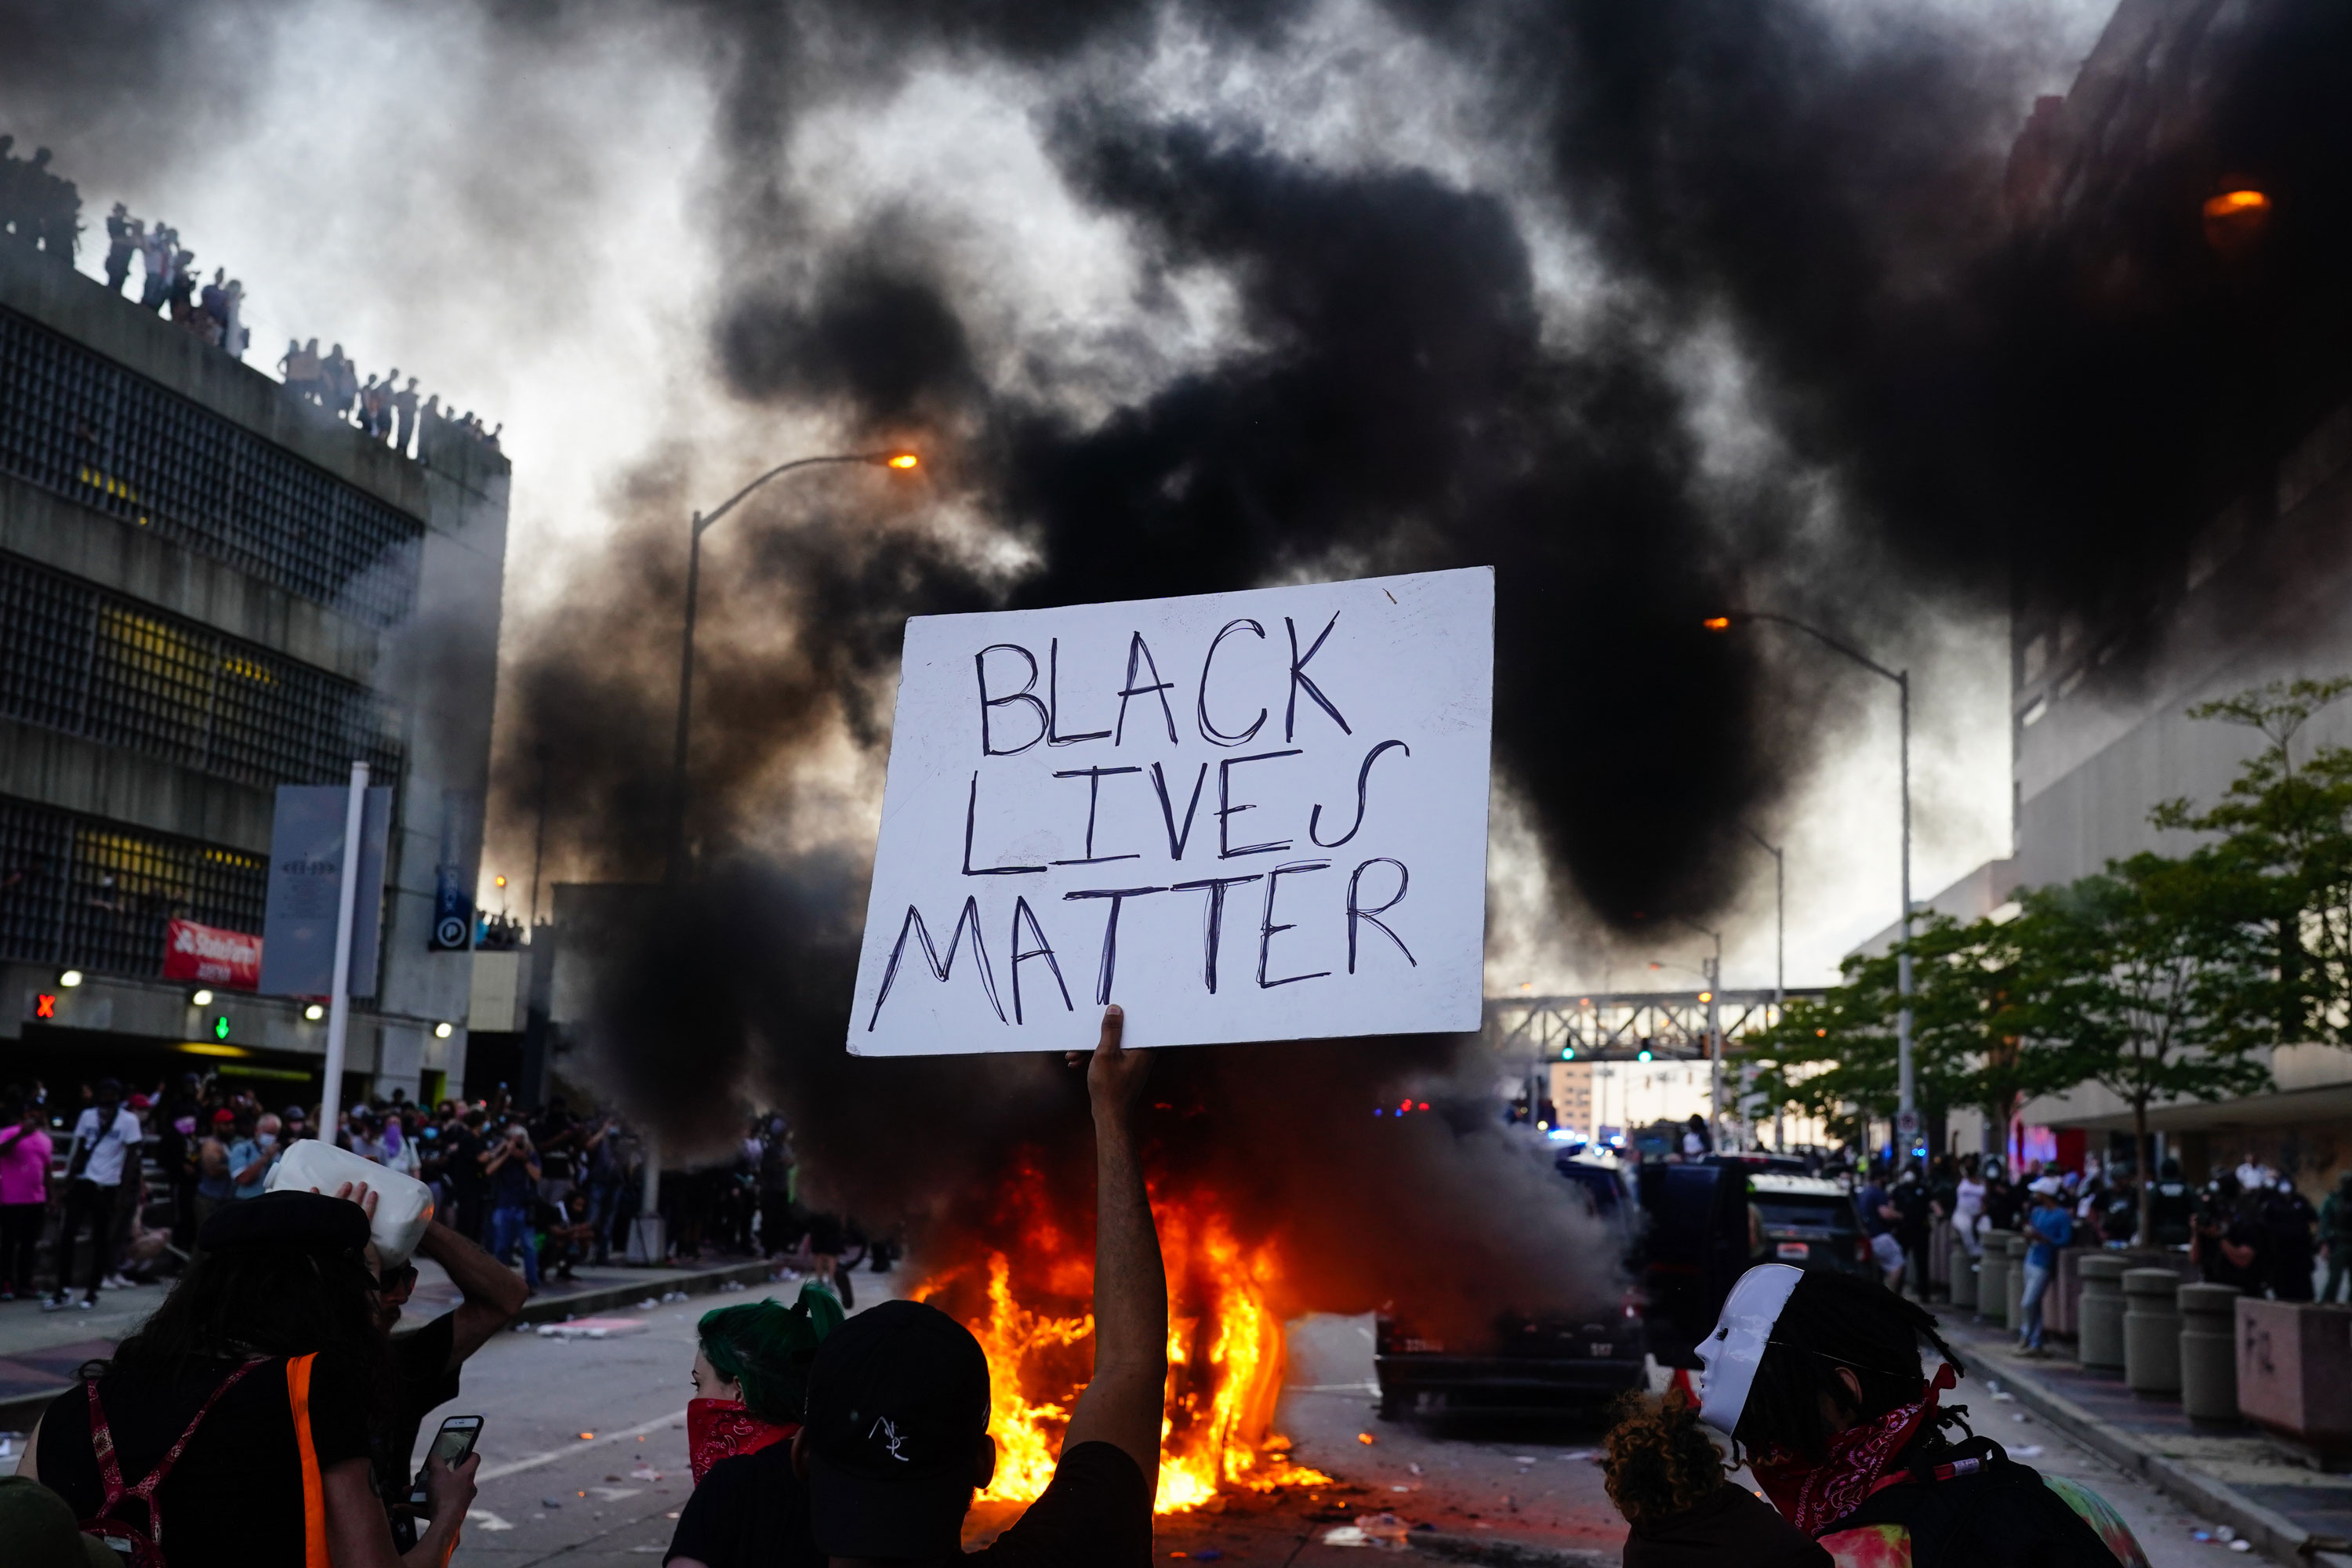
1090, 782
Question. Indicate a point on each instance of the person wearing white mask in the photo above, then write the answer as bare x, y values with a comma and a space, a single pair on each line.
1817, 1376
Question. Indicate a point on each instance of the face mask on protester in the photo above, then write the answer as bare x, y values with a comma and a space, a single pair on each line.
1731, 1353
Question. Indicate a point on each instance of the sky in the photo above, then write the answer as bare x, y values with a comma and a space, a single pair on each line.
543, 223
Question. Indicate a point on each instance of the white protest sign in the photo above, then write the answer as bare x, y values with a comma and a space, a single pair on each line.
1258, 815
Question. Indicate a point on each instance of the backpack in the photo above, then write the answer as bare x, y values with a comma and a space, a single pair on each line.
139, 1548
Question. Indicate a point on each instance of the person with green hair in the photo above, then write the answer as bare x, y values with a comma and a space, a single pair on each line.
751, 1374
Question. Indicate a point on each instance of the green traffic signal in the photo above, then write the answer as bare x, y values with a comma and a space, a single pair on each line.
220, 1027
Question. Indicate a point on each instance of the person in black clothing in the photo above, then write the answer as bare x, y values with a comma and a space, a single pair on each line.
424, 1365
268, 1346
2226, 1245
461, 1173
896, 1437
1913, 1226
1666, 1478
1842, 1428
2003, 1201
2289, 1251
2172, 1207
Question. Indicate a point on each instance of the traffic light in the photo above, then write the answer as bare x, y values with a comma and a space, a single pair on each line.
45, 1005
220, 1027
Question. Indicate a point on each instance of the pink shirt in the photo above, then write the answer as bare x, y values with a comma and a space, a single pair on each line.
24, 1169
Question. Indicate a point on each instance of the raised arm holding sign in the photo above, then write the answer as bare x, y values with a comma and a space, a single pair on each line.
1255, 816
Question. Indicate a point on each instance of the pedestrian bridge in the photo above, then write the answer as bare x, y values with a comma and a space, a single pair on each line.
1621, 1026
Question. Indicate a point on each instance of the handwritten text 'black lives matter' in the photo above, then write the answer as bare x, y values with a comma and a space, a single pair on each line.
1020, 703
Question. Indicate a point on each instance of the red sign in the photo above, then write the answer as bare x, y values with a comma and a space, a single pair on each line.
216, 957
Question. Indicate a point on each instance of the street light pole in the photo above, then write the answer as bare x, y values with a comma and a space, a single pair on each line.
1905, 1082
902, 461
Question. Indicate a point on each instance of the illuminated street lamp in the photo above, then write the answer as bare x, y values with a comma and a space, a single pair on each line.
2235, 220
1907, 1126
898, 461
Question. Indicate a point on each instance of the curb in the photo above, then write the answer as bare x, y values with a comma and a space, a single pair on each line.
1504, 1553
656, 1281
18, 1414
2271, 1532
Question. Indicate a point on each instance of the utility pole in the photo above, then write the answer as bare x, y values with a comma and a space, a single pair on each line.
339, 991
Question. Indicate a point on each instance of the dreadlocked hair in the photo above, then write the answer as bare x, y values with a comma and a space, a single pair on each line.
1659, 1463
1832, 1322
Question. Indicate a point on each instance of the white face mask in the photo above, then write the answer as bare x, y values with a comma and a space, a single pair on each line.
1730, 1354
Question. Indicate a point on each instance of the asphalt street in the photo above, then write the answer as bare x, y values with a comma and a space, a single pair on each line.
584, 1459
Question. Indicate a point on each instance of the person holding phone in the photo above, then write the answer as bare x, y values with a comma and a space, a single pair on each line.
424, 1365
249, 1391
512, 1167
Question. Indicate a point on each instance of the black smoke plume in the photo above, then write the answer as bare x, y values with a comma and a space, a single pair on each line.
1949, 351
1975, 372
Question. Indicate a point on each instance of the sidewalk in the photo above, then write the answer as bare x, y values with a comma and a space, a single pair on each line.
40, 1351
2232, 1475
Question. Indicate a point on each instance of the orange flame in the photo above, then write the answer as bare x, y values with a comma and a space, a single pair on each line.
1224, 1355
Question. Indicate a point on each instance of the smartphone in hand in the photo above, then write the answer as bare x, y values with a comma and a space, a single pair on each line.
450, 1445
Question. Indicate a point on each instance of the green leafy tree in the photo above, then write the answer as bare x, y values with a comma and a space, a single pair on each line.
2286, 829
2140, 979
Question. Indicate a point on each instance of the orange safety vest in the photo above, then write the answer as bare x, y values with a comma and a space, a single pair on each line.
314, 1492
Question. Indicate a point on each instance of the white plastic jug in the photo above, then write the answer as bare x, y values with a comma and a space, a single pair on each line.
403, 1211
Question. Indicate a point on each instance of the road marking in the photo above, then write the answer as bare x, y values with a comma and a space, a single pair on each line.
533, 1461
486, 1518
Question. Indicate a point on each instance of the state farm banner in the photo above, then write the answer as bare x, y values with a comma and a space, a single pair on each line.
215, 957
1256, 816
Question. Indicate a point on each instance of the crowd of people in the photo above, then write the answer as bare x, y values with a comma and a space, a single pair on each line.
381, 407
266, 1409
39, 206
116, 1186
44, 209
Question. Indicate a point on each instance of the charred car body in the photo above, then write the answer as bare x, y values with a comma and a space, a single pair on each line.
1521, 1363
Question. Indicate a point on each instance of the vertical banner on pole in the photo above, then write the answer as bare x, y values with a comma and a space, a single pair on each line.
305, 869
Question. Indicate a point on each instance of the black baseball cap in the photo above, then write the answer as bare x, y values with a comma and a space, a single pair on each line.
897, 1405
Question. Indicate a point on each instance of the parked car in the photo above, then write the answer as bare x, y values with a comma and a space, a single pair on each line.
1523, 1364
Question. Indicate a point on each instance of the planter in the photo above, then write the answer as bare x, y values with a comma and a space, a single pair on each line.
2295, 1370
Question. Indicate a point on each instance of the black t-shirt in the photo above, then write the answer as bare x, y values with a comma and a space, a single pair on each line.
752, 1510
235, 1497
749, 1510
461, 1161
552, 1134
423, 1380
1732, 1526
1097, 1514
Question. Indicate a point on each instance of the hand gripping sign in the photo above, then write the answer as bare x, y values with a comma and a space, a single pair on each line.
1245, 817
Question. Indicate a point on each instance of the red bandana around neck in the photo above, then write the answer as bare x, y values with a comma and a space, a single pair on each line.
1814, 1497
720, 1429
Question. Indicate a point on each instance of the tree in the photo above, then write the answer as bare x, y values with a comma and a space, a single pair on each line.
2287, 831
2139, 979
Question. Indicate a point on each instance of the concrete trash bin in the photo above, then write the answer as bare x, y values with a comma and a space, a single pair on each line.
1964, 1277
2100, 1330
2209, 1352
1993, 1275
2013, 1283
2152, 1331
